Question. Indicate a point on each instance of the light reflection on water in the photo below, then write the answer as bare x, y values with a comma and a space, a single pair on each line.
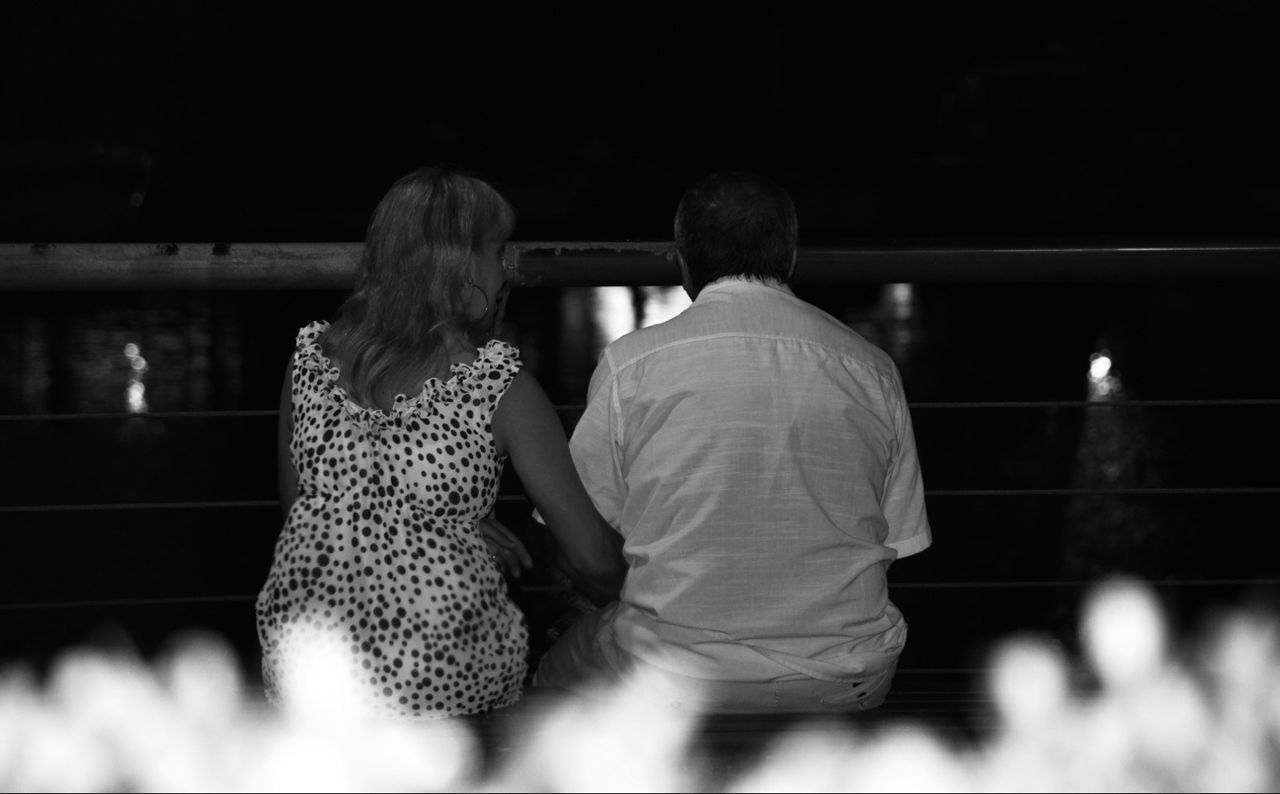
1118, 449
136, 392
894, 323
615, 311
179, 353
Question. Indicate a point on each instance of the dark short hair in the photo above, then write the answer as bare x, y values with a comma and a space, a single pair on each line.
736, 224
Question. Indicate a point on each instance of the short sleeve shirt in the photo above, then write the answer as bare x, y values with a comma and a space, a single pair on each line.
758, 457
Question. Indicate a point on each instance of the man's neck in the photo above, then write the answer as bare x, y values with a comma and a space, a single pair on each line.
726, 281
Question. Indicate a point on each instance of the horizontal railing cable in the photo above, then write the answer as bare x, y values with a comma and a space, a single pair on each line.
1168, 491
565, 408
1082, 583
557, 588
230, 414
1126, 403
126, 602
509, 497
65, 508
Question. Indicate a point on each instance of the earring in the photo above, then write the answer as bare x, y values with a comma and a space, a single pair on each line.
476, 286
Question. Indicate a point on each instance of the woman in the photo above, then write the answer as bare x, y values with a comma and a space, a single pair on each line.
395, 423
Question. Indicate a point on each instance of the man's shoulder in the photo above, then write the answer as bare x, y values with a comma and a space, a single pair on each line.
636, 345
824, 337
770, 314
809, 323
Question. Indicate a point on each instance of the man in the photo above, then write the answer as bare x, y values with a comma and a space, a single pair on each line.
758, 458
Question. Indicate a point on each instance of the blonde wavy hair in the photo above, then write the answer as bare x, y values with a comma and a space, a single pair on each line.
409, 303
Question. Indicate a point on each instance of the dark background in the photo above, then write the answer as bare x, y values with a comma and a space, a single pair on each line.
262, 121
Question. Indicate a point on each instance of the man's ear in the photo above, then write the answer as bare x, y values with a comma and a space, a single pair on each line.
791, 271
686, 280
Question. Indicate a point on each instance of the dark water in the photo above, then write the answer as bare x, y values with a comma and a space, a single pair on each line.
1012, 501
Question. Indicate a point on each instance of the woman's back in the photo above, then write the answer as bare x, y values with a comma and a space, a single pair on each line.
380, 548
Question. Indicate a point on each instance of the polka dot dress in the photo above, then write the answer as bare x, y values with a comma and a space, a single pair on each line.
380, 560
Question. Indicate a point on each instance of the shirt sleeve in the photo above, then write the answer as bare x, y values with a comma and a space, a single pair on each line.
596, 444
903, 507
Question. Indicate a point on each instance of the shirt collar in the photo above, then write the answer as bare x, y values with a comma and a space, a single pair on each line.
743, 284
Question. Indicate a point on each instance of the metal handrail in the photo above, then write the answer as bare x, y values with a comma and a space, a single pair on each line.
42, 267
509, 497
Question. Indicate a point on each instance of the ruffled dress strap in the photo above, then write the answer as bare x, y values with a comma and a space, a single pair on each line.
481, 382
486, 379
307, 352
309, 355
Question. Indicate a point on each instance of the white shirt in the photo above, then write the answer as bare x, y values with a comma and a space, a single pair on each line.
757, 455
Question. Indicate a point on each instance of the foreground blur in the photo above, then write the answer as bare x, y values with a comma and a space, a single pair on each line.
1153, 718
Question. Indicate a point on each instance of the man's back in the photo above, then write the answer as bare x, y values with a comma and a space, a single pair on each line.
758, 457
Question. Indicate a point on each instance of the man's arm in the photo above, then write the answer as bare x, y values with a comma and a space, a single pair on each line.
596, 445
903, 503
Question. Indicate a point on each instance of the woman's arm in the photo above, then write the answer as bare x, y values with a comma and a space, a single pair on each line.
286, 474
527, 430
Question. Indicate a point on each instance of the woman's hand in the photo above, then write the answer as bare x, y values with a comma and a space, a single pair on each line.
504, 547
